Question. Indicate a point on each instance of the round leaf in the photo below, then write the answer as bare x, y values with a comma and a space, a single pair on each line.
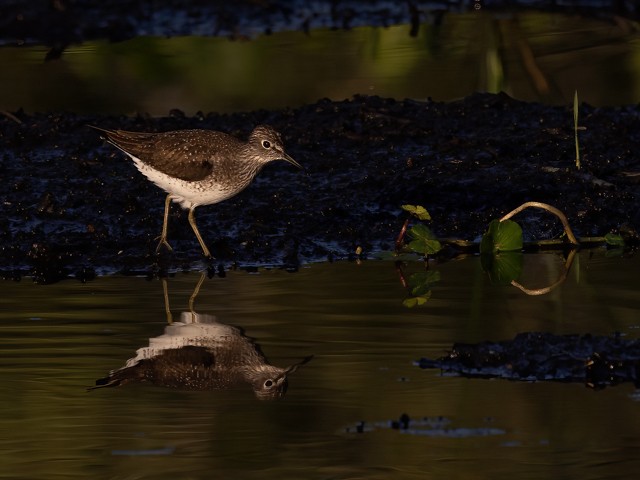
418, 211
502, 237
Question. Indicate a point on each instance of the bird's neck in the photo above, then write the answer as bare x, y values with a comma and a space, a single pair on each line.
247, 169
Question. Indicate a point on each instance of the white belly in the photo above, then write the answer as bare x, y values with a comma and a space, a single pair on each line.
187, 194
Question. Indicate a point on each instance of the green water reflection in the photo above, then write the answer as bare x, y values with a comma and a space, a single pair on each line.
530, 56
58, 339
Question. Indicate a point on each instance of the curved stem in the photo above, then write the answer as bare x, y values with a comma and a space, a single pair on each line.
548, 208
543, 291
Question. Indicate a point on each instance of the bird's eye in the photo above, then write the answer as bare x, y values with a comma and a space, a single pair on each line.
268, 383
266, 144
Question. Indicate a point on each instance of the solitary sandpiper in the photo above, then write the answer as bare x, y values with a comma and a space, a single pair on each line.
199, 167
198, 352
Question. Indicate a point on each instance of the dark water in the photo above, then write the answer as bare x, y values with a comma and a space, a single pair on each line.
531, 56
59, 339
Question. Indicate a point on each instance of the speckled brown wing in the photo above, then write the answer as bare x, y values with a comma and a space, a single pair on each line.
190, 155
189, 368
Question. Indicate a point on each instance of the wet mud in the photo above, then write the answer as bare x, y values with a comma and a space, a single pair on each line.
596, 361
72, 205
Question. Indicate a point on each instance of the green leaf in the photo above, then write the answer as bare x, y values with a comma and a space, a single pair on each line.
614, 240
421, 282
424, 241
614, 253
502, 268
502, 237
418, 211
425, 247
421, 232
413, 301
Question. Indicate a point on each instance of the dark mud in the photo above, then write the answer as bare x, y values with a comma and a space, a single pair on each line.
596, 361
74, 206
59, 23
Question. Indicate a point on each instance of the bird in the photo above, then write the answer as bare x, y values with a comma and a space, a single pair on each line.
198, 167
200, 353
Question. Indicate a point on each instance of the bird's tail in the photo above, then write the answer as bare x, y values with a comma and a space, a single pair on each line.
105, 382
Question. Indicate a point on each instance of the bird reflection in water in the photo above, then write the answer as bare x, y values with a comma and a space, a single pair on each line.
199, 353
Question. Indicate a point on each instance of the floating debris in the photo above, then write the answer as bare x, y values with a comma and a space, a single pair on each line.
425, 426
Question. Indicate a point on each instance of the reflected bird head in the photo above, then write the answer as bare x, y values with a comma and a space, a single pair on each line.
271, 383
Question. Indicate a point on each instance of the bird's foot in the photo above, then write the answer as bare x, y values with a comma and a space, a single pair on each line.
163, 241
207, 254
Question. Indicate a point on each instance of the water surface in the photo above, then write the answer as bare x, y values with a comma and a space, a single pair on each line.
531, 56
59, 339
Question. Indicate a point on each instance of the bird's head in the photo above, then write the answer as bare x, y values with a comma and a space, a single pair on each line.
270, 383
266, 145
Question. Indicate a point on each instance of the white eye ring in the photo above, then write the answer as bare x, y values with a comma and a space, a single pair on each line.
266, 144
268, 383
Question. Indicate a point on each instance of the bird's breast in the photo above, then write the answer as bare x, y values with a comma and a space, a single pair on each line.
189, 193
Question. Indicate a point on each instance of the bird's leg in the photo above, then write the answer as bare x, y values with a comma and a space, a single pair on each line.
192, 221
165, 290
193, 296
163, 236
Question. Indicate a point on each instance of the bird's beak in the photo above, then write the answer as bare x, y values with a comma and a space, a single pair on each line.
291, 161
294, 367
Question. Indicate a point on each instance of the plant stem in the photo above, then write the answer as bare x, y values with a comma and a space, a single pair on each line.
545, 290
400, 238
575, 127
549, 208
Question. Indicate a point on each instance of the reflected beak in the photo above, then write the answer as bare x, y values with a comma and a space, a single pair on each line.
294, 367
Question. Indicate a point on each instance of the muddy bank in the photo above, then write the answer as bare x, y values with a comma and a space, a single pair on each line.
73, 205
596, 361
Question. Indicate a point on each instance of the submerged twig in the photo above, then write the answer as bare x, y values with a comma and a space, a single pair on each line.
545, 290
549, 208
11, 116
403, 279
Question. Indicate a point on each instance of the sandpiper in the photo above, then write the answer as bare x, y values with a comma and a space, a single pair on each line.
199, 167
198, 352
